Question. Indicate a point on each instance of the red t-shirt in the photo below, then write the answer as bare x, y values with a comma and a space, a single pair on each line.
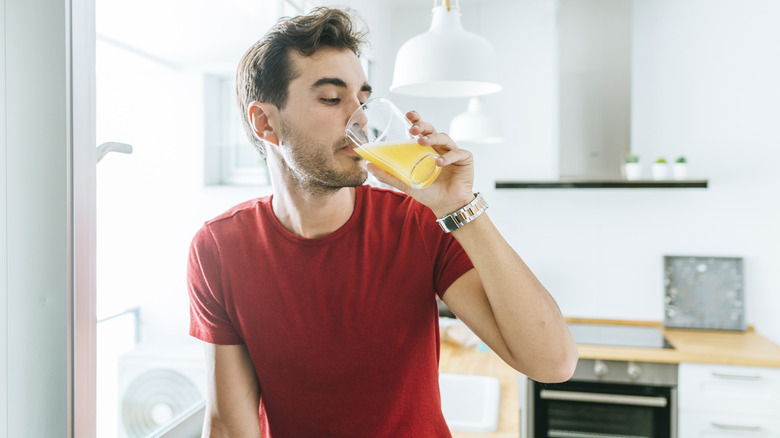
342, 330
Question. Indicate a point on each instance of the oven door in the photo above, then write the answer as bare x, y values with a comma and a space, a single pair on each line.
581, 409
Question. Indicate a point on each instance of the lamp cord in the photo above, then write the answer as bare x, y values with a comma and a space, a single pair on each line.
446, 3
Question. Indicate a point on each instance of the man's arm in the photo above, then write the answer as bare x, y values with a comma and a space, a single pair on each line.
233, 393
504, 303
500, 300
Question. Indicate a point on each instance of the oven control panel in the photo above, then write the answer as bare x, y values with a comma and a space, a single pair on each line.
649, 373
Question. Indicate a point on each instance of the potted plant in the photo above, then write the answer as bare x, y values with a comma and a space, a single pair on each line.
633, 170
680, 168
660, 169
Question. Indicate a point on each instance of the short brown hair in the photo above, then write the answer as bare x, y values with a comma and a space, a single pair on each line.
265, 71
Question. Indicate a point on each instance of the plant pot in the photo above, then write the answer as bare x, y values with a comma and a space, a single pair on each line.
633, 171
680, 171
660, 171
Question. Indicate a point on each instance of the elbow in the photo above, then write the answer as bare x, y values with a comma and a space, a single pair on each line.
558, 366
564, 367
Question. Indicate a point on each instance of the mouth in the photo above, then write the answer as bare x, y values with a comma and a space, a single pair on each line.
347, 145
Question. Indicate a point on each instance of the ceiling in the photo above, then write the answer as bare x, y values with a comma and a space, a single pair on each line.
210, 35
205, 34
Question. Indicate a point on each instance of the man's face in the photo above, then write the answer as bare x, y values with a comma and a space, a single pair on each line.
329, 87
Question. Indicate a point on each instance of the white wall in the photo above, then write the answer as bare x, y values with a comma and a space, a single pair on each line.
706, 85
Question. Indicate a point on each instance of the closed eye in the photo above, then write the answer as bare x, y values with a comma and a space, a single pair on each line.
333, 101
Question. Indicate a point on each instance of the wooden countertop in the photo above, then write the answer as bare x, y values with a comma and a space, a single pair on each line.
702, 346
459, 360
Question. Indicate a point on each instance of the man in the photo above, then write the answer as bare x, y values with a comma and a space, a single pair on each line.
317, 304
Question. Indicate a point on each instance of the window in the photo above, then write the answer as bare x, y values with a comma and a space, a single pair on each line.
230, 157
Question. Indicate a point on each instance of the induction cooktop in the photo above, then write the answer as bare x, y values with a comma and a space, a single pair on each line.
619, 335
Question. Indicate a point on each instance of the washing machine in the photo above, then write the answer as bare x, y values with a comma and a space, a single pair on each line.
155, 385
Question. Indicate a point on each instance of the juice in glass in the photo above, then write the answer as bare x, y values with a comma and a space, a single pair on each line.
413, 164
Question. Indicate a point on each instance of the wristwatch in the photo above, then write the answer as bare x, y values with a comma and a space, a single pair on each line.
461, 217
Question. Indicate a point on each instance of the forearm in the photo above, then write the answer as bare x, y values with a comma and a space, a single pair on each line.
233, 393
528, 319
216, 428
235, 421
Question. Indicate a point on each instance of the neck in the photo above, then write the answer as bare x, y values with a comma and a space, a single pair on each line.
312, 214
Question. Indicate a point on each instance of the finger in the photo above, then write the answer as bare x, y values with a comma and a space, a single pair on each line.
440, 139
419, 127
422, 128
455, 156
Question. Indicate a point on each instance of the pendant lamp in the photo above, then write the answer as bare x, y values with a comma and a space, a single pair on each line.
476, 125
445, 61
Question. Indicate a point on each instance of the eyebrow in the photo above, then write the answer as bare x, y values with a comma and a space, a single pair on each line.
366, 87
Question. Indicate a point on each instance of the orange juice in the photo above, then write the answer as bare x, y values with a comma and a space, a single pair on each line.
411, 163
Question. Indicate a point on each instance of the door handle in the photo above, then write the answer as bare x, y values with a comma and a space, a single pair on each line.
113, 146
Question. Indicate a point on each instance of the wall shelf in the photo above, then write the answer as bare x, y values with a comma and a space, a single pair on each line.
604, 184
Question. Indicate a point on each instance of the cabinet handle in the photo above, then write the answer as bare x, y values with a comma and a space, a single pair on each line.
736, 427
736, 376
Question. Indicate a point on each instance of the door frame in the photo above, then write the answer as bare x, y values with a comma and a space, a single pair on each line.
83, 229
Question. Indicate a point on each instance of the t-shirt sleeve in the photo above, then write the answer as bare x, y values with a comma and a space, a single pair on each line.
209, 320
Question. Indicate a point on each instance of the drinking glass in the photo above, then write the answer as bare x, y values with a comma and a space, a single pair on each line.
381, 135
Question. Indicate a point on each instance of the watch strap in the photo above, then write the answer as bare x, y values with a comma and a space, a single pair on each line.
461, 217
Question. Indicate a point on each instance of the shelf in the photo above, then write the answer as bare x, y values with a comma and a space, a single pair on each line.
604, 184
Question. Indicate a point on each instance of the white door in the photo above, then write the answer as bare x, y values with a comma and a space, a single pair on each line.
164, 72
46, 171
49, 234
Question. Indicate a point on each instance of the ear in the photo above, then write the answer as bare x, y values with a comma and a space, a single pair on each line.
259, 114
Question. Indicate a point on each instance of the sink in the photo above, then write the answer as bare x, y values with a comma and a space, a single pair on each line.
470, 403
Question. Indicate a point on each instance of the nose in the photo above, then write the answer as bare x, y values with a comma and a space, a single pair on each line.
356, 126
357, 117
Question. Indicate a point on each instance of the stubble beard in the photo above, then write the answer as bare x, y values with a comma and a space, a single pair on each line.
310, 168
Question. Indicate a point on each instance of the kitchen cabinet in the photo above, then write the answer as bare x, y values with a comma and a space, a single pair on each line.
604, 184
728, 401
700, 425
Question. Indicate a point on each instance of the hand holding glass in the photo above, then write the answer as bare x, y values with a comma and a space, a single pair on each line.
381, 133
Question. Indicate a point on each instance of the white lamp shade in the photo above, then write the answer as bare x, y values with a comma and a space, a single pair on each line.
476, 126
445, 61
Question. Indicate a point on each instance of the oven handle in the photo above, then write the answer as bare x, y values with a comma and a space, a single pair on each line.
617, 399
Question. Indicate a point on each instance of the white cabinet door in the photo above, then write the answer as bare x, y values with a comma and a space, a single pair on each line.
696, 424
729, 389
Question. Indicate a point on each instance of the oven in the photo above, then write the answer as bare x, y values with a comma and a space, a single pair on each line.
606, 399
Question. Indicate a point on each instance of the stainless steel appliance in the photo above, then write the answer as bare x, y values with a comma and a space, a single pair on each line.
608, 398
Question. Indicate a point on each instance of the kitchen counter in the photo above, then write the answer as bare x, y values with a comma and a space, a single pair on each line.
697, 346
460, 360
